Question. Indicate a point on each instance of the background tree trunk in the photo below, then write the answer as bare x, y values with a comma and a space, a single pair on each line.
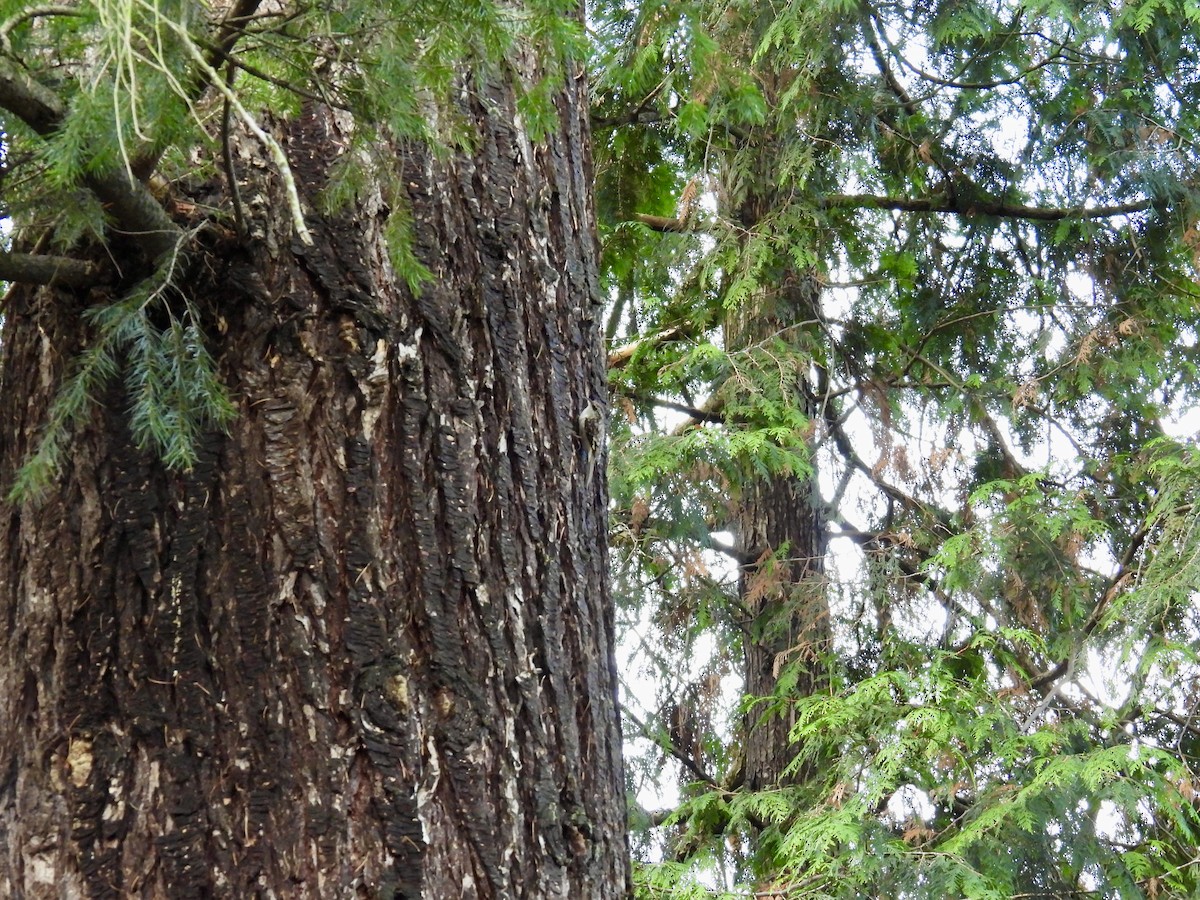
784, 594
364, 647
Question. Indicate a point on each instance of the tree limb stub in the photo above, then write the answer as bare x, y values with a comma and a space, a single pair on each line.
30, 268
129, 201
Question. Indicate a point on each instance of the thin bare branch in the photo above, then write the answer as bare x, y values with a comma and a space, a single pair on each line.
666, 744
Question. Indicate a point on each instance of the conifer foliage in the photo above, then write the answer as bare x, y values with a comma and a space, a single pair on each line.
903, 334
996, 206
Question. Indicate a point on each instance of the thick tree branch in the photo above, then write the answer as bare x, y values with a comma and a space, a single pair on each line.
31, 102
643, 114
966, 207
231, 30
668, 225
137, 212
710, 412
29, 268
129, 201
696, 415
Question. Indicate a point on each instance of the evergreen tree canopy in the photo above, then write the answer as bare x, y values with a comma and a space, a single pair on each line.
994, 205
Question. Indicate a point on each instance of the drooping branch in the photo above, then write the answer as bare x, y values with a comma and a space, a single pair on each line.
29, 268
879, 36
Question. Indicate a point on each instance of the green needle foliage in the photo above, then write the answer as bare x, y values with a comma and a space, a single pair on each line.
996, 205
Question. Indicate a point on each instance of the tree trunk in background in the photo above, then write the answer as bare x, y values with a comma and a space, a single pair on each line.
791, 614
786, 596
364, 647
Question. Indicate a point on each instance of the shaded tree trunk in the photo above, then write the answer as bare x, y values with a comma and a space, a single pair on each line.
364, 647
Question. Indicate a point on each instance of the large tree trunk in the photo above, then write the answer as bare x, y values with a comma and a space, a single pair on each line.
364, 647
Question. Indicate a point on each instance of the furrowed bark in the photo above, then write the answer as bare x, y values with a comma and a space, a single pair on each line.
781, 531
364, 647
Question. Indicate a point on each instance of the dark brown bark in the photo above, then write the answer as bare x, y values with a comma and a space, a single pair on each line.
364, 647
